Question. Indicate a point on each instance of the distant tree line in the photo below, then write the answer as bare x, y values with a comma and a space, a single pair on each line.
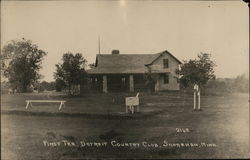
49, 86
228, 85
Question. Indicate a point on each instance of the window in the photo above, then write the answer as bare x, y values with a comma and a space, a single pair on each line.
165, 63
123, 80
166, 78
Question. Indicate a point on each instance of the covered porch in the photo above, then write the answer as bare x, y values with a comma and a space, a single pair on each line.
118, 82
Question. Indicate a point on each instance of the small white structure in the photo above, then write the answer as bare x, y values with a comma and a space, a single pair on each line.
132, 102
197, 96
29, 102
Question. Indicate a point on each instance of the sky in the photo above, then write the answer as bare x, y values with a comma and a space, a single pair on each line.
184, 28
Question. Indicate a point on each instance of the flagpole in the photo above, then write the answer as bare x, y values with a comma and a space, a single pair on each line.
99, 44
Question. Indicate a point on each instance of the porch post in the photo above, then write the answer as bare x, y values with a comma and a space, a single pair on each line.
131, 83
104, 84
157, 85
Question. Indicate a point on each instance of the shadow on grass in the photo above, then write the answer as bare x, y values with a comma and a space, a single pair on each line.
85, 115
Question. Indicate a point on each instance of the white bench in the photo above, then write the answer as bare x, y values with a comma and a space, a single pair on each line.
132, 102
29, 102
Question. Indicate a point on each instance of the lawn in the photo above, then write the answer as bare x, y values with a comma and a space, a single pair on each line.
221, 129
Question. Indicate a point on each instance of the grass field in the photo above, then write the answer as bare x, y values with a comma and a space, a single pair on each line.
220, 130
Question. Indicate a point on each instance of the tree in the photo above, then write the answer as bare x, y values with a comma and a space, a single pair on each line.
151, 79
71, 71
92, 65
198, 71
60, 85
20, 61
49, 86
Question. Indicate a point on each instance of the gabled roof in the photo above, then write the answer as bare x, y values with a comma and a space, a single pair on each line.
165, 52
124, 63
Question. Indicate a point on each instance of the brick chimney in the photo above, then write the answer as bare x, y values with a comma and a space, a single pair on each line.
115, 52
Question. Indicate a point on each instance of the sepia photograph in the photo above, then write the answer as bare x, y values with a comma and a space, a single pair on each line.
124, 79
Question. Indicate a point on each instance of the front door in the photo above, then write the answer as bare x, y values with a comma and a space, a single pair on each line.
118, 83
